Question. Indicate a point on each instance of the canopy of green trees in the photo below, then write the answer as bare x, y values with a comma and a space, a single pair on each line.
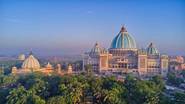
37, 88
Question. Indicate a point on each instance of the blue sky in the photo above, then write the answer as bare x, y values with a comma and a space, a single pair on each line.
54, 27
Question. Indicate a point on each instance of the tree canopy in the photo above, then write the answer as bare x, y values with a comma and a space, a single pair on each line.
37, 88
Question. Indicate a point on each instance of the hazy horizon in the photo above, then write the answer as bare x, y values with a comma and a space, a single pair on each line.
72, 27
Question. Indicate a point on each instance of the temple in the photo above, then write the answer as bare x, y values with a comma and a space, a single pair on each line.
31, 64
124, 56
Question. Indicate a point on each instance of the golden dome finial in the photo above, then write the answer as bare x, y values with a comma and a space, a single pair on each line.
96, 44
151, 44
123, 29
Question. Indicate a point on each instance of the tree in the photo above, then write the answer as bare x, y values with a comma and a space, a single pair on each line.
18, 96
179, 98
183, 73
52, 84
56, 100
3, 94
172, 79
7, 80
140, 91
38, 86
22, 96
72, 90
78, 89
89, 69
114, 96
34, 99
108, 91
165, 100
158, 82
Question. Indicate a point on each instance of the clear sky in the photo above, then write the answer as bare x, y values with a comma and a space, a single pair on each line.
58, 27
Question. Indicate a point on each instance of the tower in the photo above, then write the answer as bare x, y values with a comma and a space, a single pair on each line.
14, 70
98, 57
142, 62
164, 65
69, 69
58, 68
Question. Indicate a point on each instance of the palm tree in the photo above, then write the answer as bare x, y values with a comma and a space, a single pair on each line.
22, 96
18, 96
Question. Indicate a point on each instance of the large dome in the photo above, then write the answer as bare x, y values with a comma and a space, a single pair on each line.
31, 63
151, 50
123, 40
97, 50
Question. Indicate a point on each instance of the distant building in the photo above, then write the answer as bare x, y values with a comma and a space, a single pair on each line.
31, 64
178, 59
21, 57
123, 56
176, 63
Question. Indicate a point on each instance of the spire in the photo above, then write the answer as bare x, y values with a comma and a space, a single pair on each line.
123, 29
48, 64
151, 44
96, 44
31, 53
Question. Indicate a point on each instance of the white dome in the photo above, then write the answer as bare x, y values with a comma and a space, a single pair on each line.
31, 63
21, 57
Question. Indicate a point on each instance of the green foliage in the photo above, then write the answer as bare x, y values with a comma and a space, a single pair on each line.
38, 88
56, 100
20, 95
165, 100
140, 91
3, 94
183, 73
179, 98
7, 80
34, 99
158, 82
172, 79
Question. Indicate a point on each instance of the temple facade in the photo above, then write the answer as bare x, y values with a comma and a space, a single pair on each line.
124, 56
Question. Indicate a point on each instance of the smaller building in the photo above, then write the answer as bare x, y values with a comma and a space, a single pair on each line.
21, 57
176, 63
31, 64
98, 57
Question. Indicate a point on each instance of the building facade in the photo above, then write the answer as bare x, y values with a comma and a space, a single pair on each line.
176, 63
124, 56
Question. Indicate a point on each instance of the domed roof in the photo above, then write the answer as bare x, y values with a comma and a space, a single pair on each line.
21, 57
31, 63
123, 40
97, 49
151, 50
